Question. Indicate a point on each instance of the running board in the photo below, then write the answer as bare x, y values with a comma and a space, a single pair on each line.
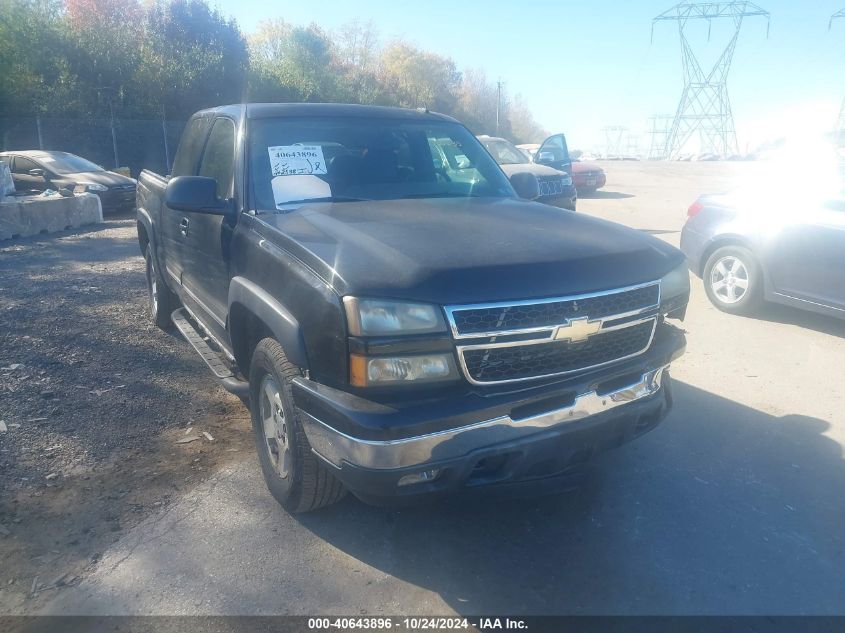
214, 361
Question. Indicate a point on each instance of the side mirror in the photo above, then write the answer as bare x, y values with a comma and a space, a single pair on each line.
526, 185
196, 194
38, 172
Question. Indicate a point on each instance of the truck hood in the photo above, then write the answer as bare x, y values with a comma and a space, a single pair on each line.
466, 250
531, 168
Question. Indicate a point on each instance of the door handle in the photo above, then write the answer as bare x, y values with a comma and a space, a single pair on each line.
183, 227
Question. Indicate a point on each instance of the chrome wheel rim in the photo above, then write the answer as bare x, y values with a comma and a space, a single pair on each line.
274, 425
151, 281
729, 279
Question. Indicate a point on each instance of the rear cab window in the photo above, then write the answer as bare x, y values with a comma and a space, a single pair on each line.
190, 148
218, 159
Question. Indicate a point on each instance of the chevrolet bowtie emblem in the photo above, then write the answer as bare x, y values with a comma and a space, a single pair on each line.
577, 330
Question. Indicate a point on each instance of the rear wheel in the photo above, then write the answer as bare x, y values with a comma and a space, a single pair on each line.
162, 302
733, 280
294, 476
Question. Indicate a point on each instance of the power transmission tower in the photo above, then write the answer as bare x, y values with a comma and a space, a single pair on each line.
839, 130
613, 135
659, 132
704, 106
632, 146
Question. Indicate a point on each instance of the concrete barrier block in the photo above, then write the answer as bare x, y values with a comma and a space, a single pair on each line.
31, 215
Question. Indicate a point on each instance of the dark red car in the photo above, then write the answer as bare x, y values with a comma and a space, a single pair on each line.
587, 176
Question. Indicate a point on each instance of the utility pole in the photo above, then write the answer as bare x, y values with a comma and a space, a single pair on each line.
839, 130
108, 91
113, 134
704, 106
498, 103
166, 147
38, 130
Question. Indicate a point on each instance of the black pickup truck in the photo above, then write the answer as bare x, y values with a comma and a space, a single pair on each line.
403, 327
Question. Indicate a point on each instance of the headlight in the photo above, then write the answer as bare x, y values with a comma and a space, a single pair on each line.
566, 180
379, 317
366, 371
674, 292
93, 186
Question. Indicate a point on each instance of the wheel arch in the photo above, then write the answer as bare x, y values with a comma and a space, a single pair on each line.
146, 235
254, 315
719, 242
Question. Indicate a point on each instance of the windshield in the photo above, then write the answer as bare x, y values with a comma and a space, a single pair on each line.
350, 158
68, 164
505, 152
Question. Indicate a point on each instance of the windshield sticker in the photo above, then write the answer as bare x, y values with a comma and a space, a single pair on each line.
296, 160
47, 159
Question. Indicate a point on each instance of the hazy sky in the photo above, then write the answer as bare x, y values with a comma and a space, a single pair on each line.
585, 65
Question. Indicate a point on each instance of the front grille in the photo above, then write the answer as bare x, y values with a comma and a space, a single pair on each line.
520, 362
554, 313
550, 186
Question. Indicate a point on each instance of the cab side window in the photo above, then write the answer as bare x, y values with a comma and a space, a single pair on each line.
190, 147
218, 160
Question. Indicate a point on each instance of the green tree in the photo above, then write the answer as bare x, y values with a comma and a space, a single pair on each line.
191, 58
414, 78
32, 46
294, 63
102, 49
356, 50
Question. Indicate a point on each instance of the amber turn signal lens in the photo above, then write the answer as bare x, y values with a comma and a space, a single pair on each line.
358, 370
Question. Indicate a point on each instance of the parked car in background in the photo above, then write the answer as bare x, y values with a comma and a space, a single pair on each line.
529, 149
587, 176
556, 187
36, 170
748, 251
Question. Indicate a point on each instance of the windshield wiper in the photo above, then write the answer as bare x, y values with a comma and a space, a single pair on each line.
323, 199
440, 194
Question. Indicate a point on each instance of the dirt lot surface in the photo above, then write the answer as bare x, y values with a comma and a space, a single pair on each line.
732, 506
94, 399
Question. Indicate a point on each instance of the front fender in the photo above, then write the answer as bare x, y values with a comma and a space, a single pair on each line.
274, 315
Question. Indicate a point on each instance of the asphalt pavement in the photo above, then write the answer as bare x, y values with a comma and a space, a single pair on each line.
734, 505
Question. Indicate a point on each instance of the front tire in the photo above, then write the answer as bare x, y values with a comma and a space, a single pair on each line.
294, 476
160, 299
733, 280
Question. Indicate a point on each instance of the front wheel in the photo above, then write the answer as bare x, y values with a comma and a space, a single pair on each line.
733, 280
294, 476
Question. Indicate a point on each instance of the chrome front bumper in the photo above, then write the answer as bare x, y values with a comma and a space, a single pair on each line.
336, 447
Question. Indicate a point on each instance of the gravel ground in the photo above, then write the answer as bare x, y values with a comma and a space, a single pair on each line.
93, 398
732, 506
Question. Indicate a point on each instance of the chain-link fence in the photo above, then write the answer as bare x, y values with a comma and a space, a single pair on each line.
134, 143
